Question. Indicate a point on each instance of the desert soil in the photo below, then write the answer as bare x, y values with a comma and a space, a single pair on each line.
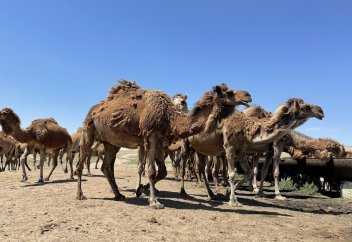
49, 212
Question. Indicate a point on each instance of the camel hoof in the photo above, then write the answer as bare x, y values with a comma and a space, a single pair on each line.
255, 190
65, 170
119, 197
72, 178
156, 205
40, 181
235, 204
280, 198
139, 190
38, 167
24, 179
81, 197
46, 179
212, 197
96, 168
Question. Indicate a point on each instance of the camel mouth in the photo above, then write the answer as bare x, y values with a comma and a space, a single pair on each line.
245, 103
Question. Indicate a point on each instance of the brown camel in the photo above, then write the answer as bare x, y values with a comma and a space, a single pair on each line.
238, 135
131, 117
174, 150
76, 138
43, 132
300, 146
7, 148
273, 150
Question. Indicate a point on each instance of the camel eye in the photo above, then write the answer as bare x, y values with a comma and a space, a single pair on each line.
230, 94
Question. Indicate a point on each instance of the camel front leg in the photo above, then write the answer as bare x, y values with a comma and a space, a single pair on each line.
140, 168
242, 157
41, 164
108, 170
23, 160
255, 161
151, 172
215, 172
232, 171
264, 172
278, 147
54, 165
202, 162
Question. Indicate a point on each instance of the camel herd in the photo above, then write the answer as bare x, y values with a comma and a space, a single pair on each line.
213, 138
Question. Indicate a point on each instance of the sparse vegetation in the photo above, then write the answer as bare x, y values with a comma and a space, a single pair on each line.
287, 185
308, 188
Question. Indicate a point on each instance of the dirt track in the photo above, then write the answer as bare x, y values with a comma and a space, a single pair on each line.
49, 212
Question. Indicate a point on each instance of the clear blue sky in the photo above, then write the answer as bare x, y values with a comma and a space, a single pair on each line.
59, 57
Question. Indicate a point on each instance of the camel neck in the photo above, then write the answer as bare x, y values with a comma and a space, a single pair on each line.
16, 132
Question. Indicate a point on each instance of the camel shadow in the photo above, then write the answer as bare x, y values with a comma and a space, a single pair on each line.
184, 205
51, 183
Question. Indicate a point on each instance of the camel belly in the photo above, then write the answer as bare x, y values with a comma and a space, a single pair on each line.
207, 144
115, 137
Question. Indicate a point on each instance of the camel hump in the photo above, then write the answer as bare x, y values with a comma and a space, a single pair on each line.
257, 112
124, 85
157, 114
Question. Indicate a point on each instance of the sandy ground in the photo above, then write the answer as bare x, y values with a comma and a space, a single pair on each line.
49, 212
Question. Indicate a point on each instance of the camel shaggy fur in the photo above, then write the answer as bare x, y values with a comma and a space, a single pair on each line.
132, 117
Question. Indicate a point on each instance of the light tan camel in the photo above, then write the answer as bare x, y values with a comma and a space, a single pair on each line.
131, 117
238, 135
273, 150
43, 132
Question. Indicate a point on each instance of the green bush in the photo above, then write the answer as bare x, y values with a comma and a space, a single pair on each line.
309, 188
287, 185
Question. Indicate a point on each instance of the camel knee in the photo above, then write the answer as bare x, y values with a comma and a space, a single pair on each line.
232, 176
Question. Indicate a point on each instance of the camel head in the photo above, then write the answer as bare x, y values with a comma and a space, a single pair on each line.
179, 101
8, 119
231, 97
306, 110
295, 112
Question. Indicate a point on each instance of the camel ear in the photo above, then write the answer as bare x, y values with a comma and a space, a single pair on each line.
185, 97
296, 106
217, 90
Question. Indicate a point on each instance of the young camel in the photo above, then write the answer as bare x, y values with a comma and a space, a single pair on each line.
238, 134
46, 133
132, 117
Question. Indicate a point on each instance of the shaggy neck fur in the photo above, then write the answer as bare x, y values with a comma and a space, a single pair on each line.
204, 116
14, 129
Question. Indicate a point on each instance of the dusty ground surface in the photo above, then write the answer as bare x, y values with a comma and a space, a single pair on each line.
49, 212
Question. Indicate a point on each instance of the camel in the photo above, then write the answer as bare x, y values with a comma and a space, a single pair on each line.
300, 146
273, 150
98, 151
132, 117
174, 150
7, 148
43, 132
237, 135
